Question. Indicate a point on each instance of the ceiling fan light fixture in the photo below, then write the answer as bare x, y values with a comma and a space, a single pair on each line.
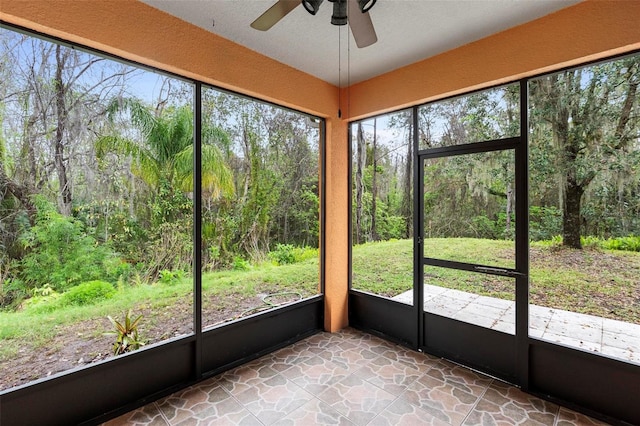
339, 16
365, 5
312, 6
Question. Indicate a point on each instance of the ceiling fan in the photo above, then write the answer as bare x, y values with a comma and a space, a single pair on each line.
355, 12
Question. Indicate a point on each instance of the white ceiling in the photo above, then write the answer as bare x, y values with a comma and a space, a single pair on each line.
408, 31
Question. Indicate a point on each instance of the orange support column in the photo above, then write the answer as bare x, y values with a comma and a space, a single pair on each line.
336, 223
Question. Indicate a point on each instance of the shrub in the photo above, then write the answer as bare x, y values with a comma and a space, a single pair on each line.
484, 227
305, 253
43, 299
630, 243
88, 293
283, 254
239, 264
60, 253
590, 242
286, 254
170, 277
544, 222
12, 293
171, 249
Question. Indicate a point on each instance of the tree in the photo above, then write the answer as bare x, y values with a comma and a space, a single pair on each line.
361, 160
163, 156
52, 93
590, 114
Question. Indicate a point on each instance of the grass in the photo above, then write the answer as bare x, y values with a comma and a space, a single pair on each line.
386, 268
37, 324
594, 281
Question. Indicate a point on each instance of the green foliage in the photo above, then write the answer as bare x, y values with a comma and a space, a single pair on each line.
88, 293
61, 253
126, 333
590, 242
240, 264
12, 293
544, 222
112, 222
170, 277
43, 299
302, 254
484, 227
46, 300
283, 254
630, 243
171, 248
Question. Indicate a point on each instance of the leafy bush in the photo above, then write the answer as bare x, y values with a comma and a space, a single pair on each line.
170, 277
305, 253
283, 254
60, 253
590, 242
88, 293
555, 242
544, 222
484, 227
12, 293
111, 221
239, 264
171, 249
43, 299
630, 243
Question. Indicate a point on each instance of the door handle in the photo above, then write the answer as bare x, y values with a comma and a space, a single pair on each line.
499, 271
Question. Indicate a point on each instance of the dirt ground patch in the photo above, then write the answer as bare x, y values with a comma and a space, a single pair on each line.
598, 283
74, 346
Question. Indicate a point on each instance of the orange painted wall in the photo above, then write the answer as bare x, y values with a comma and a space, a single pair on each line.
587, 31
136, 31
590, 30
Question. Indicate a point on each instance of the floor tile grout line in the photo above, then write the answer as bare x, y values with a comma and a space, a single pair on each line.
557, 417
475, 404
244, 407
385, 408
164, 417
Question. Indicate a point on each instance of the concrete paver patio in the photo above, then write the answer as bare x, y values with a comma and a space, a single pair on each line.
616, 339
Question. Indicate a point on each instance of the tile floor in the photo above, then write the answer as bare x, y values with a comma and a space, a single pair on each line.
351, 378
612, 338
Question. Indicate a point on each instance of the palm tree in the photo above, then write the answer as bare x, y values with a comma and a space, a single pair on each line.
163, 155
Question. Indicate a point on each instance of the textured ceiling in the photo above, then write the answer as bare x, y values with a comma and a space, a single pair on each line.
408, 31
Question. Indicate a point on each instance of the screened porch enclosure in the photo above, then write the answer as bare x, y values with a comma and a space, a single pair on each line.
421, 209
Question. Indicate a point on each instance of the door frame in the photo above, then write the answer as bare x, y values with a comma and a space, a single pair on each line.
584, 381
494, 352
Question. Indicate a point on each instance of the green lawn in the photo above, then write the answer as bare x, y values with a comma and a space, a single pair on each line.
598, 282
593, 281
37, 324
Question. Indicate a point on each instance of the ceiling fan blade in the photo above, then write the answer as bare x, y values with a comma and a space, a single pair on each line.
361, 25
275, 13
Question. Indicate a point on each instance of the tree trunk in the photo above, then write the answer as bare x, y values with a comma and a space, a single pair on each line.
571, 213
374, 186
361, 157
509, 208
21, 193
407, 202
59, 157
